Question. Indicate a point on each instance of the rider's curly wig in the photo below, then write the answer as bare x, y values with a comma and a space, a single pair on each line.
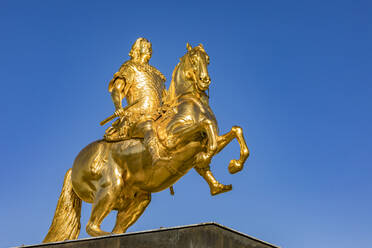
136, 48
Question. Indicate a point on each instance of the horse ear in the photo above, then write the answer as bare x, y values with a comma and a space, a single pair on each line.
188, 46
201, 45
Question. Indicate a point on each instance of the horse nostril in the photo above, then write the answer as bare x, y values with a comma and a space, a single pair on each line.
205, 79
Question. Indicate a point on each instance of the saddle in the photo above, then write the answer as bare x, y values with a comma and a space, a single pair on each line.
124, 127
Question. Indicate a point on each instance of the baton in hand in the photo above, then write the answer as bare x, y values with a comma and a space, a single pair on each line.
111, 117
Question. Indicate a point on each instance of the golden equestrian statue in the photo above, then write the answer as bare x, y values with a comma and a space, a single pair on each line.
158, 137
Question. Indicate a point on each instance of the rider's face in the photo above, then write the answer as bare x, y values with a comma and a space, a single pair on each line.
146, 52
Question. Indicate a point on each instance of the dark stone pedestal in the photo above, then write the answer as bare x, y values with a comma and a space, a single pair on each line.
193, 236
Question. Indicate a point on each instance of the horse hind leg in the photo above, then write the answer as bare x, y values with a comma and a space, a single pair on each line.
103, 204
130, 214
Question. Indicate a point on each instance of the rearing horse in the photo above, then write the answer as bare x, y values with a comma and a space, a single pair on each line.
120, 175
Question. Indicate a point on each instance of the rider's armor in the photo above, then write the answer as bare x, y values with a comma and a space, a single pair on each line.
146, 85
144, 88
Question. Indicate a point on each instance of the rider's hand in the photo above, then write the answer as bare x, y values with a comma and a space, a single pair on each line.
119, 112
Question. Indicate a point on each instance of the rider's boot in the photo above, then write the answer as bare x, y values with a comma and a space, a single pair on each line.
152, 144
214, 186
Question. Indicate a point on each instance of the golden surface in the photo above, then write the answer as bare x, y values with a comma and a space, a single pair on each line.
156, 140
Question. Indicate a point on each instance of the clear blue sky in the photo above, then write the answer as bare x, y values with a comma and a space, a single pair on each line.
296, 75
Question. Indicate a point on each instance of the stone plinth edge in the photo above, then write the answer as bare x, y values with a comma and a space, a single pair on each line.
191, 236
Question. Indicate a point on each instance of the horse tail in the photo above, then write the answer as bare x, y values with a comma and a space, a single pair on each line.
66, 220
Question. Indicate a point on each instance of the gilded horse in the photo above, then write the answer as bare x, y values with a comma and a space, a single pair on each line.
120, 176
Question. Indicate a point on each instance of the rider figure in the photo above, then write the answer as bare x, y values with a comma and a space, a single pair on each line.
143, 87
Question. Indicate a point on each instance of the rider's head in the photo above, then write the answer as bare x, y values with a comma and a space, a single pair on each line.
141, 51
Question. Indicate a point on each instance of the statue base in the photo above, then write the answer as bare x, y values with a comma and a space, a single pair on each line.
192, 236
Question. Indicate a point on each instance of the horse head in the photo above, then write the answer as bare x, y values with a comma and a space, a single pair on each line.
196, 61
191, 73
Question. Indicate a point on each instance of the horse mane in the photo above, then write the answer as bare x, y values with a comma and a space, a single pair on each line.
171, 96
171, 93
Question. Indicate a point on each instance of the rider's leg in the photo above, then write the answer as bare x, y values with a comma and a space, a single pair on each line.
151, 141
214, 186
104, 202
127, 216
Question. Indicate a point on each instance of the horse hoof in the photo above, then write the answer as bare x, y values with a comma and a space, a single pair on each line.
220, 188
95, 231
235, 166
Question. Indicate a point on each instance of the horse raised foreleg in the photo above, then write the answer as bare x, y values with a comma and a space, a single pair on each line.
203, 160
130, 214
212, 135
210, 130
214, 186
235, 132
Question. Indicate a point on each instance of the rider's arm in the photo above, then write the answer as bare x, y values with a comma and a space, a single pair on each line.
117, 93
